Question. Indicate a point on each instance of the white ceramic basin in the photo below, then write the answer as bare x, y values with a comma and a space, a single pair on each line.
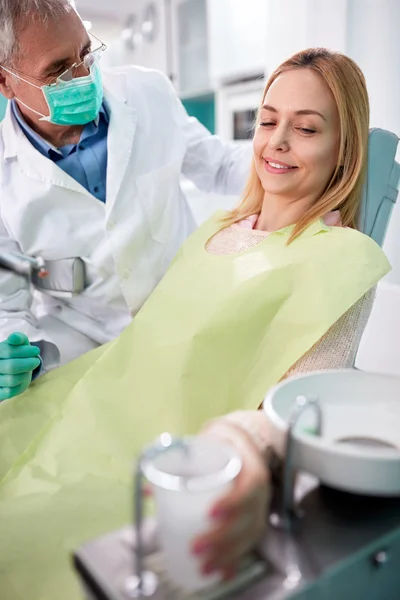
354, 404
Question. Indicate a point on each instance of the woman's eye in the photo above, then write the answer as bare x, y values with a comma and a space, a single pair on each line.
267, 123
306, 130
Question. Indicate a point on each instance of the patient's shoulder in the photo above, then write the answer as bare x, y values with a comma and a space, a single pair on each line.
354, 236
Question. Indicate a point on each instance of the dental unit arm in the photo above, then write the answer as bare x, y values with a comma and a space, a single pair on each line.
62, 278
31, 267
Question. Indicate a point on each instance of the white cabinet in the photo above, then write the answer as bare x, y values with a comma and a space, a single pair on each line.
218, 41
237, 32
201, 44
143, 37
296, 25
190, 46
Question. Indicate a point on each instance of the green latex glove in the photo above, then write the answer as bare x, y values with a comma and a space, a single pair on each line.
18, 360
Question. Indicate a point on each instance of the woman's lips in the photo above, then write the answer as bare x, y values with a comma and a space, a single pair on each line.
277, 167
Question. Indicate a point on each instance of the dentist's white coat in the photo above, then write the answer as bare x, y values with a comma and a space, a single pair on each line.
128, 242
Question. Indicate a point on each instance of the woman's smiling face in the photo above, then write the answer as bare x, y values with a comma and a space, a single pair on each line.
296, 143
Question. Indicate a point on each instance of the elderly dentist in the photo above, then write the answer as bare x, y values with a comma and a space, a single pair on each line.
89, 176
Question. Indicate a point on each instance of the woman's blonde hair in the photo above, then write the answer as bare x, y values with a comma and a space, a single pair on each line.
343, 192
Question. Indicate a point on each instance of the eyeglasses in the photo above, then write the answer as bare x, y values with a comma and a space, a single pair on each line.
90, 59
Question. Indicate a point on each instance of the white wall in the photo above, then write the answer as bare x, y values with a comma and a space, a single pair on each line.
374, 43
296, 25
286, 30
237, 38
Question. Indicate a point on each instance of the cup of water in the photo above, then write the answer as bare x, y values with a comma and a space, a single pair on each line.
187, 478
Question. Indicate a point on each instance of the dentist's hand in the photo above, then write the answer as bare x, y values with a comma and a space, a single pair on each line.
18, 360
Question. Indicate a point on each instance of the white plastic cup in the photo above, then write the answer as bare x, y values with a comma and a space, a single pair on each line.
186, 483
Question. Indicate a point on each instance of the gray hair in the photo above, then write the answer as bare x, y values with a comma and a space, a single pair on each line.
15, 13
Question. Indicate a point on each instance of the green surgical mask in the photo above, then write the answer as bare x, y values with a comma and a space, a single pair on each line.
76, 102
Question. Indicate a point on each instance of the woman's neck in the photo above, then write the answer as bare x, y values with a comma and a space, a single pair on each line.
276, 214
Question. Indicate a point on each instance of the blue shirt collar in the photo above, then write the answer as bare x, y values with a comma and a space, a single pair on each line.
44, 147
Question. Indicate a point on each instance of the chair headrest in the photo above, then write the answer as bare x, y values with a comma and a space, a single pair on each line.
381, 186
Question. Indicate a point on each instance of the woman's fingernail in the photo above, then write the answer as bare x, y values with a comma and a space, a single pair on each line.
207, 569
230, 574
147, 491
219, 513
200, 547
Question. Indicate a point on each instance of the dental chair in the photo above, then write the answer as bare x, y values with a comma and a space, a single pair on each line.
382, 185
379, 348
347, 545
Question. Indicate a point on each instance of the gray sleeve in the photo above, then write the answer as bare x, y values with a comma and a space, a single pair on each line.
337, 349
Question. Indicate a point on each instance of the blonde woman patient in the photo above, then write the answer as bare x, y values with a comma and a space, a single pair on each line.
310, 156
282, 285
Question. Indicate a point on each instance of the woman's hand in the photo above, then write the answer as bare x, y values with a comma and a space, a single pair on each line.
239, 518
